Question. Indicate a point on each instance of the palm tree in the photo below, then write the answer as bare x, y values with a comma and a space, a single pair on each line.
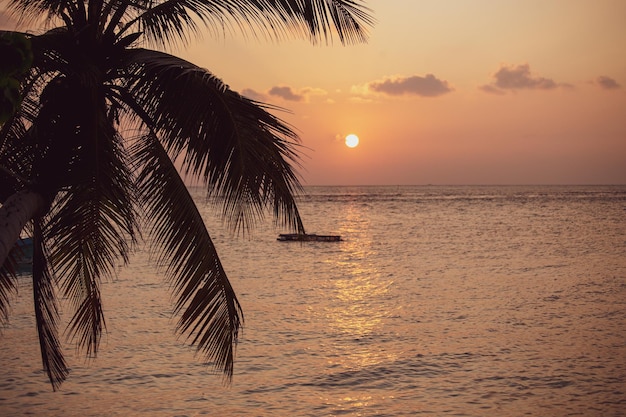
70, 169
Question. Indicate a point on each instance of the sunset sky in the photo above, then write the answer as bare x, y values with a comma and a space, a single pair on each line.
449, 92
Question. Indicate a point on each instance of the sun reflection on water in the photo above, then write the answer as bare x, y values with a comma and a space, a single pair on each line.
359, 294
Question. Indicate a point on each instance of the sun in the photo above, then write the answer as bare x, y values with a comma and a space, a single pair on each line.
352, 140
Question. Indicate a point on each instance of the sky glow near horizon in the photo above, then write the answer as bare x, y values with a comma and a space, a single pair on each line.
456, 92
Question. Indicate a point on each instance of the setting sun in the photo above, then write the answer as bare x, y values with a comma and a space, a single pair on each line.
352, 141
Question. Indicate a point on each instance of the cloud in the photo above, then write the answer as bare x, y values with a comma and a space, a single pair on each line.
519, 77
360, 100
491, 90
286, 93
313, 91
428, 86
607, 83
254, 95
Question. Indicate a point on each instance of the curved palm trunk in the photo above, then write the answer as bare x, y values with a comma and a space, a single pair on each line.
16, 211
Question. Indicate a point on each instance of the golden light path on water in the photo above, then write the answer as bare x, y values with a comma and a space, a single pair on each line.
356, 311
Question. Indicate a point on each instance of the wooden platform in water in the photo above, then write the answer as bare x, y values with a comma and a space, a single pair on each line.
305, 237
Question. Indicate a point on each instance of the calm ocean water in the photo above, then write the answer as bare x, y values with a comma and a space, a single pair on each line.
440, 301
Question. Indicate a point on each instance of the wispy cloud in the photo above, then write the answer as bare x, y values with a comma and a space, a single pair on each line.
360, 100
308, 92
607, 83
253, 94
519, 77
427, 86
286, 93
487, 88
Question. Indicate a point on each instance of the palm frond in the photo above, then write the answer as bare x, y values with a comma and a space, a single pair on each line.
15, 162
350, 19
62, 145
8, 287
31, 11
211, 315
242, 151
92, 226
46, 313
315, 19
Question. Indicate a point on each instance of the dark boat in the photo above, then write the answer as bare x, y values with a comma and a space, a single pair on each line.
306, 237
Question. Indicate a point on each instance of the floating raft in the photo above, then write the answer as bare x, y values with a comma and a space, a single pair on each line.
305, 237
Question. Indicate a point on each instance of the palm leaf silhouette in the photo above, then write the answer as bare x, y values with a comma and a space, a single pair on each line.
68, 163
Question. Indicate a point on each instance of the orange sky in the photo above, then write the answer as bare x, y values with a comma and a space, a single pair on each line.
449, 92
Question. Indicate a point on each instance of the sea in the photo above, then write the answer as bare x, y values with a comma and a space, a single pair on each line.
438, 301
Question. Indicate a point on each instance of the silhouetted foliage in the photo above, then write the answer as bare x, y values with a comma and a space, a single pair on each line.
63, 149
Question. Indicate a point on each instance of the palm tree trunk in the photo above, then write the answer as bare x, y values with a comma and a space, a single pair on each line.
16, 211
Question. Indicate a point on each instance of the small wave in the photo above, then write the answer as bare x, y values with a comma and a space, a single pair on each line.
383, 376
